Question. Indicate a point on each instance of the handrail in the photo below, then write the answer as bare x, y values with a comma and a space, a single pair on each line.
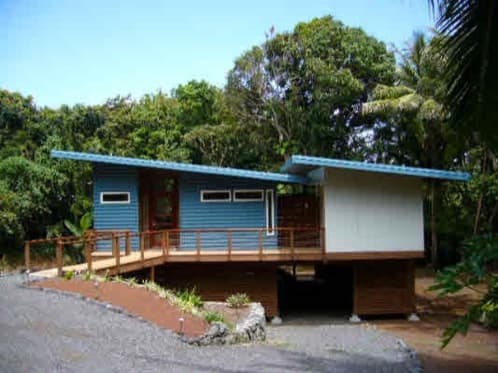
294, 239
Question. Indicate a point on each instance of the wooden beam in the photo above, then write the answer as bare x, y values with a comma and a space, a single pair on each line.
374, 255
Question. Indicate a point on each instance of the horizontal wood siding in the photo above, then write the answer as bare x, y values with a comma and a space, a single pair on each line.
215, 281
195, 214
384, 287
115, 178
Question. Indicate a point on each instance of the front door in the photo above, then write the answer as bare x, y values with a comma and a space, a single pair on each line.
163, 205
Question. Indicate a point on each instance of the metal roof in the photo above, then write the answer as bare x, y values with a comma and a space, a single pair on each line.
181, 167
300, 164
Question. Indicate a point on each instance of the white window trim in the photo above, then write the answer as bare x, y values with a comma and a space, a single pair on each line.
235, 191
229, 199
270, 231
114, 202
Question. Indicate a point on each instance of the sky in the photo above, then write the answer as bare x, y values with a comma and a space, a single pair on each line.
72, 51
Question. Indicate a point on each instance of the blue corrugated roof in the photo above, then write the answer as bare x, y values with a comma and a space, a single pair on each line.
182, 167
300, 164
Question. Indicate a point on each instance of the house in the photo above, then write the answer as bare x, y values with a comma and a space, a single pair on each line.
226, 230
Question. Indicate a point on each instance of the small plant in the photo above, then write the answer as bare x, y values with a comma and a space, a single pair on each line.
213, 316
107, 276
188, 299
238, 300
132, 282
69, 275
87, 276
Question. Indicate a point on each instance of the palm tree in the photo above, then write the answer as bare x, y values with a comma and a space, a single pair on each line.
471, 30
416, 103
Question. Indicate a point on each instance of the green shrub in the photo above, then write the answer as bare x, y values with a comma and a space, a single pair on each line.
238, 300
213, 316
474, 272
69, 275
188, 299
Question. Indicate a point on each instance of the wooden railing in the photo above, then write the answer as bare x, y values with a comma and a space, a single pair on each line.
190, 244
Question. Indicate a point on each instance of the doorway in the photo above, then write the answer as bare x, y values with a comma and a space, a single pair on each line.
160, 203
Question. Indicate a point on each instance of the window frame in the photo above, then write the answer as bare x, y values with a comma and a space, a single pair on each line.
203, 191
127, 202
270, 229
261, 199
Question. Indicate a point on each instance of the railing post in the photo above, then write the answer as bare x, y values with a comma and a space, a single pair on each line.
198, 244
260, 244
142, 246
88, 254
322, 243
59, 257
113, 245
167, 244
291, 239
229, 239
26, 255
128, 243
163, 243
118, 253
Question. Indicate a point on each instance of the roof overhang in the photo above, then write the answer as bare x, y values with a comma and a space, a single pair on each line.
180, 167
300, 164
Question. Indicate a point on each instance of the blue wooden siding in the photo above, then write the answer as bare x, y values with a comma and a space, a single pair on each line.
115, 178
196, 214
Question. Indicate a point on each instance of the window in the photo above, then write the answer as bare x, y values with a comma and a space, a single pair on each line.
248, 195
270, 212
114, 197
215, 196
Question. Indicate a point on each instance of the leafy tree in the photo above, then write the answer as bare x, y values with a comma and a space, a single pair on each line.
300, 89
29, 195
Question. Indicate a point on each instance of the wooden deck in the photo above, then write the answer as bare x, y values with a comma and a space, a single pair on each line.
153, 257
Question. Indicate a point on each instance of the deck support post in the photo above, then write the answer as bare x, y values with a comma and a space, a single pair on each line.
128, 243
59, 257
322, 244
152, 276
27, 255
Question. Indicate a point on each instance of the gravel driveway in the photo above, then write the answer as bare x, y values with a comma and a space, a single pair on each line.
43, 331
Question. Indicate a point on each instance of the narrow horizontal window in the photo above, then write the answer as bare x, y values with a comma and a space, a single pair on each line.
248, 195
215, 196
114, 197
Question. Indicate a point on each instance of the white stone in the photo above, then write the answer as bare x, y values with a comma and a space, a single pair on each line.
354, 318
276, 320
413, 317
